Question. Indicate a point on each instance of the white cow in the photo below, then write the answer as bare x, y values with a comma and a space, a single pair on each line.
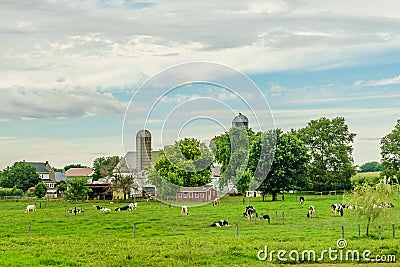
30, 208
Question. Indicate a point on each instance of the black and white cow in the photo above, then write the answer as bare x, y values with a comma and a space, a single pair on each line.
216, 202
337, 209
311, 212
122, 208
220, 223
250, 212
75, 211
185, 210
265, 217
132, 206
102, 209
301, 200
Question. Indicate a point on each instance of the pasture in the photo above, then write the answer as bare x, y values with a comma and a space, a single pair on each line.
165, 237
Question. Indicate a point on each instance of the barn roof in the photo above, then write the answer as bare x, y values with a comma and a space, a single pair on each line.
74, 172
196, 189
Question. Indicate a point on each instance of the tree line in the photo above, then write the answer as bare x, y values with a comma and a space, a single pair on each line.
317, 157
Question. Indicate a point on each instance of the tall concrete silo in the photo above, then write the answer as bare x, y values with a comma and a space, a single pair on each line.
240, 120
143, 149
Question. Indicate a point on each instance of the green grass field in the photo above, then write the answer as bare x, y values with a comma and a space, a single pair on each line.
166, 238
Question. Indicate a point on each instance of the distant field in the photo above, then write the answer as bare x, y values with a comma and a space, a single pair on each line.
367, 175
166, 238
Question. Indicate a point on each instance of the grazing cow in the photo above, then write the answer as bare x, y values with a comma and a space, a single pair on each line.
301, 200
75, 211
383, 205
122, 208
265, 217
311, 212
185, 210
250, 212
216, 202
337, 208
220, 223
102, 209
132, 206
30, 208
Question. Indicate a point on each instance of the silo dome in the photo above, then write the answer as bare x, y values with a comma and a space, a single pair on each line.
240, 120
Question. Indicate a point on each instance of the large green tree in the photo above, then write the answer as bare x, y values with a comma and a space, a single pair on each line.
329, 143
20, 175
233, 151
289, 165
390, 152
74, 165
77, 189
104, 166
186, 163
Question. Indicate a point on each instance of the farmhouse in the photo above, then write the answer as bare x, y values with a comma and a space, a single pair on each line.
47, 174
202, 193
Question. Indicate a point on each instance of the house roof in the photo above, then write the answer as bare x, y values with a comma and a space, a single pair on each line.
127, 163
196, 189
73, 172
60, 177
40, 166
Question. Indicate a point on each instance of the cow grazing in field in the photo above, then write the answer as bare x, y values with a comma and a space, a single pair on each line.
311, 212
301, 200
185, 210
122, 208
132, 206
337, 209
216, 202
220, 223
265, 217
75, 211
250, 212
30, 208
102, 209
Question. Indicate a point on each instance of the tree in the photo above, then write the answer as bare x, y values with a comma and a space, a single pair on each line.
77, 189
124, 183
186, 163
233, 151
62, 187
289, 165
78, 165
40, 189
329, 144
366, 199
104, 166
372, 166
390, 152
20, 175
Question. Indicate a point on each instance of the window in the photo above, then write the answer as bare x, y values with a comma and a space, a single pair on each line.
185, 195
196, 195
191, 195
201, 195
179, 195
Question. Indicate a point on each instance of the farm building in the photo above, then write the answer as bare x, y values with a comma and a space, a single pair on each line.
202, 193
47, 174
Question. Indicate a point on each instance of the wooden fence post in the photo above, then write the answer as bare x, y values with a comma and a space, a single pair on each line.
283, 217
276, 215
393, 233
342, 232
359, 230
237, 229
134, 230
379, 232
29, 228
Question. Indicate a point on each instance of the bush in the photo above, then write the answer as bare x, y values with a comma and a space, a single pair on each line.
11, 192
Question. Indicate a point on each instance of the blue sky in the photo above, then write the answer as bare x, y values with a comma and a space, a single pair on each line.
69, 69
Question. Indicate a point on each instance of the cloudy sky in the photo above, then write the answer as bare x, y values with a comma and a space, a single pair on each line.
78, 79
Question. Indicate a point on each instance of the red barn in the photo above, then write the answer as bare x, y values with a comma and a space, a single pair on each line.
201, 193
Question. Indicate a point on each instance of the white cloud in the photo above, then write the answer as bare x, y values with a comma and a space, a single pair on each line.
381, 82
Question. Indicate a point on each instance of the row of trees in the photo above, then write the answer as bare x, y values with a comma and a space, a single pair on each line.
317, 157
